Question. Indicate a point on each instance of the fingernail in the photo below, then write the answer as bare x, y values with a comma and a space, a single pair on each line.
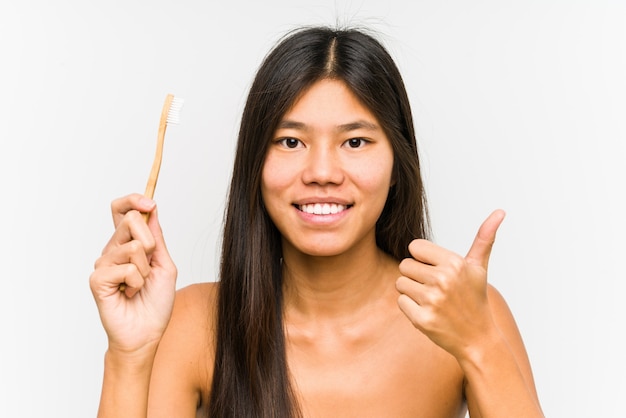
147, 203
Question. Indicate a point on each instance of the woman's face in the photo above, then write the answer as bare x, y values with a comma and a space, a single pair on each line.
327, 172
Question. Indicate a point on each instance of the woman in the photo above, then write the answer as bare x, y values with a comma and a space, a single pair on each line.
331, 301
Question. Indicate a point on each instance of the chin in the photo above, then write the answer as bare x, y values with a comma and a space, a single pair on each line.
319, 250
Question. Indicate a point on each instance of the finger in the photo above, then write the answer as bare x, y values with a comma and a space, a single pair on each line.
409, 287
160, 255
416, 270
132, 252
428, 252
412, 311
131, 227
135, 201
106, 281
480, 250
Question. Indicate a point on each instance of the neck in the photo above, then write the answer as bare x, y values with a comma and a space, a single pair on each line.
337, 286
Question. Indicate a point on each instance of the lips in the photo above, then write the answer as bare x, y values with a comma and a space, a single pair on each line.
322, 208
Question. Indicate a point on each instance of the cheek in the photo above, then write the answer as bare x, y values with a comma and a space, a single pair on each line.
376, 174
276, 176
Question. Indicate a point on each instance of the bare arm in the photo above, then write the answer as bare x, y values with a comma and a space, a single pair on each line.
135, 318
183, 367
125, 384
447, 297
499, 379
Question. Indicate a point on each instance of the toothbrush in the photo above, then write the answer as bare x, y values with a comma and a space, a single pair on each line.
170, 114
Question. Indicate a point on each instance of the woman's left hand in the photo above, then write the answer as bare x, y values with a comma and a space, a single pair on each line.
445, 295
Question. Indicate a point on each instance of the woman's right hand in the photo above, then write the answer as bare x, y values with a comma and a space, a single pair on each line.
136, 256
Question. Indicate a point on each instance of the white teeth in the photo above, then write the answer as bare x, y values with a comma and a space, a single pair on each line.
322, 208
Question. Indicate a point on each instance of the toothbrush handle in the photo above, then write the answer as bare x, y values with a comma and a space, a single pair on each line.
156, 164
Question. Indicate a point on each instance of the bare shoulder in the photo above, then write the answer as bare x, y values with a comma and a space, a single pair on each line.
184, 362
196, 298
192, 323
194, 311
500, 309
507, 325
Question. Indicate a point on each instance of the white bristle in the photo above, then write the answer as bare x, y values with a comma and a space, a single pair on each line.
173, 115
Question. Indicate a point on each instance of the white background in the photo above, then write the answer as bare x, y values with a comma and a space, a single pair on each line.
519, 105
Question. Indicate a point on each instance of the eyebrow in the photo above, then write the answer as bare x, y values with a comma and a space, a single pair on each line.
346, 127
359, 124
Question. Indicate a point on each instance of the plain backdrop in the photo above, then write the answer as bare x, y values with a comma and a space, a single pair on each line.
519, 105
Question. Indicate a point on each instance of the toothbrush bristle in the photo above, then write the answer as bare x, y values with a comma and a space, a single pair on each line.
173, 115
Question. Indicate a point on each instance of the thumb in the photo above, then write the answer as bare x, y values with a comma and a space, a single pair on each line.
480, 250
160, 254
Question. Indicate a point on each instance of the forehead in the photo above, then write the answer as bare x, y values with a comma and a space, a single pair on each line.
329, 102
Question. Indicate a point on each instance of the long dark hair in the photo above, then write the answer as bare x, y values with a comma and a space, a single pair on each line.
251, 377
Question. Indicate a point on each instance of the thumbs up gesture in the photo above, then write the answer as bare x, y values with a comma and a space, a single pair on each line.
444, 294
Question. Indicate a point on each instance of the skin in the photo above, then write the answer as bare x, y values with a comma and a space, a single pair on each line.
367, 335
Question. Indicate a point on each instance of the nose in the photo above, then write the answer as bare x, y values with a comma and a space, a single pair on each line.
323, 166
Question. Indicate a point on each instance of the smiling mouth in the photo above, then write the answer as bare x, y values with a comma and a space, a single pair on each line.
322, 208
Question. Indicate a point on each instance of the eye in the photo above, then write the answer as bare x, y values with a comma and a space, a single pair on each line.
289, 142
356, 142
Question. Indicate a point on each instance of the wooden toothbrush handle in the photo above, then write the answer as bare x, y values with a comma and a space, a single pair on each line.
156, 164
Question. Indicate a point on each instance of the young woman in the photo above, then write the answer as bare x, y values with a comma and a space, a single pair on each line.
331, 302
